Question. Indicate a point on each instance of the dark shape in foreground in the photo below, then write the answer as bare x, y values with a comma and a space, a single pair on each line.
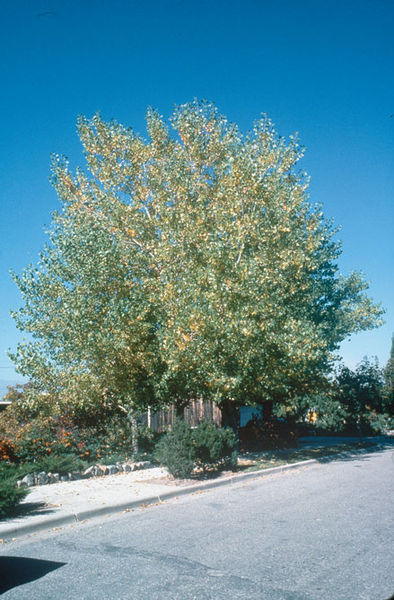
15, 570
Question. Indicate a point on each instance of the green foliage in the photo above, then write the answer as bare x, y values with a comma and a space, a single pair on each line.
191, 264
214, 446
43, 437
176, 452
379, 422
17, 393
266, 435
354, 401
207, 446
61, 464
147, 440
10, 495
323, 410
388, 375
360, 394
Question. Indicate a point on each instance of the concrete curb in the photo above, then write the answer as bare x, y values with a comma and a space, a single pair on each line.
60, 520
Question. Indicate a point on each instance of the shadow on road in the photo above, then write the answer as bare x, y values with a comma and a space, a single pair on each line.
15, 570
360, 452
357, 450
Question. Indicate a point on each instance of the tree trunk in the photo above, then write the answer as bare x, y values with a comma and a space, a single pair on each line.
268, 406
133, 426
230, 415
134, 431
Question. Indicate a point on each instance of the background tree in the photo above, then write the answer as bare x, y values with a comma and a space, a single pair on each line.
190, 264
18, 392
388, 374
360, 394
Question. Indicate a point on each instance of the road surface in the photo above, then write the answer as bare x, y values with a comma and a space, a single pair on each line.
321, 532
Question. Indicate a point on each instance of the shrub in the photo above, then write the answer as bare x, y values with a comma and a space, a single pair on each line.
61, 464
10, 495
175, 450
7, 450
379, 423
147, 440
207, 446
267, 435
214, 446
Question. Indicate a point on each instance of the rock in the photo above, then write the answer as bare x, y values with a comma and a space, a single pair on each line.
119, 467
99, 471
89, 472
42, 478
111, 470
127, 467
28, 480
53, 477
63, 477
20, 483
142, 464
75, 475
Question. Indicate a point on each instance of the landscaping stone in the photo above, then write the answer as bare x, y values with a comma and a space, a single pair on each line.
99, 471
142, 464
89, 472
29, 480
42, 478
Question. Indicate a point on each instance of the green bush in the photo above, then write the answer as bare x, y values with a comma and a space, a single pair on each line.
207, 446
10, 495
175, 450
60, 464
214, 446
379, 423
147, 440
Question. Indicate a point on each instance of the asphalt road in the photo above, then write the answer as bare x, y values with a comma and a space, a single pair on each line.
321, 532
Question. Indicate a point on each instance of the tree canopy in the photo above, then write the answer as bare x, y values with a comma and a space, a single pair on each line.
188, 264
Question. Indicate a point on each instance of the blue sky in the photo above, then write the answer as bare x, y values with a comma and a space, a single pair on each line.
322, 68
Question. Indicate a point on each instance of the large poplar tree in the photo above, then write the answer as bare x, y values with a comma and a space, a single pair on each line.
191, 264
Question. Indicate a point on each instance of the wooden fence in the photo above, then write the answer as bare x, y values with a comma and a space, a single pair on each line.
195, 413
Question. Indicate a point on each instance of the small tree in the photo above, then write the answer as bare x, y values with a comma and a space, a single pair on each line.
360, 393
388, 375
